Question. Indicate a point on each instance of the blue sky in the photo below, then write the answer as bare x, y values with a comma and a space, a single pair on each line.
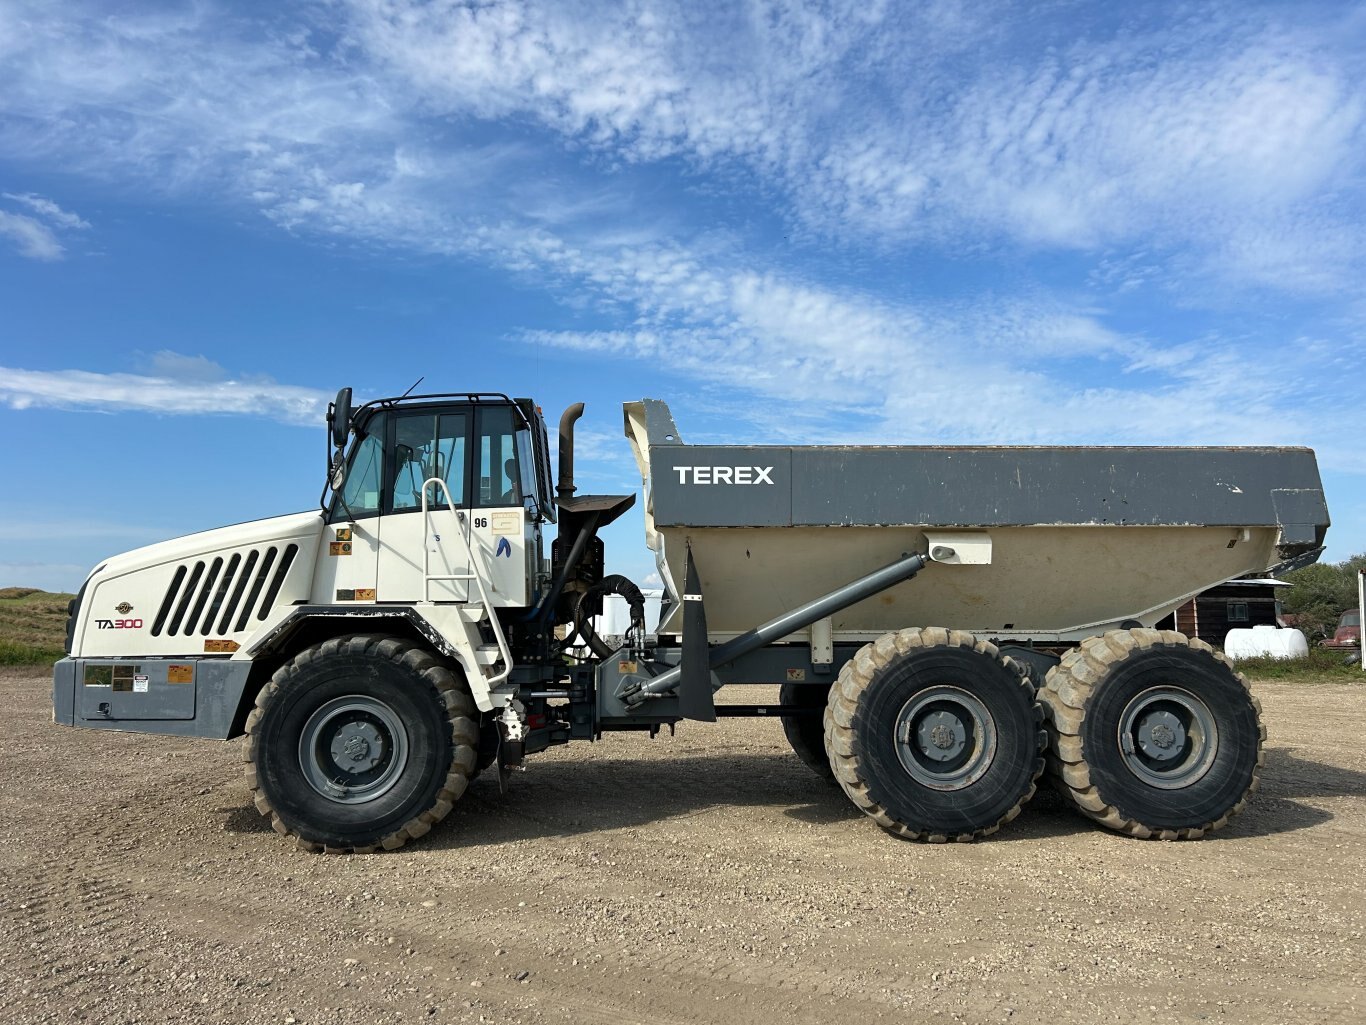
1042, 223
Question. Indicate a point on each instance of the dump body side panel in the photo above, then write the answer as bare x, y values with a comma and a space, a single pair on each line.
986, 487
1082, 538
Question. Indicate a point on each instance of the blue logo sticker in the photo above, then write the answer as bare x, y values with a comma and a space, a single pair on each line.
504, 548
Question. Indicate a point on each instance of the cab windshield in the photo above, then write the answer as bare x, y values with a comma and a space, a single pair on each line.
360, 494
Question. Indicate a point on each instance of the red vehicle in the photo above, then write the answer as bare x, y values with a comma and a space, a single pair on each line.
1348, 633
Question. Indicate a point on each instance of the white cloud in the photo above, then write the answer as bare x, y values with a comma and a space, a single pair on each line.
840, 367
1052, 129
175, 365
120, 393
1228, 149
1231, 140
48, 210
33, 238
36, 237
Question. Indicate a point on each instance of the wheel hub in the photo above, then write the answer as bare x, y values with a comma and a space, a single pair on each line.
942, 735
1168, 737
353, 749
359, 743
1159, 732
945, 738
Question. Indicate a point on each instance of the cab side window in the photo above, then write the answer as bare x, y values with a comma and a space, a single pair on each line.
526, 457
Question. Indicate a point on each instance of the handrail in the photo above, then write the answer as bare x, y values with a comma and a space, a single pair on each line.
427, 577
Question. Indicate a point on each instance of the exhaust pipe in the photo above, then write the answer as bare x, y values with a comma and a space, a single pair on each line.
566, 488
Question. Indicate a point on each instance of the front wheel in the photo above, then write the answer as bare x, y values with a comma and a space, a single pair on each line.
359, 743
935, 735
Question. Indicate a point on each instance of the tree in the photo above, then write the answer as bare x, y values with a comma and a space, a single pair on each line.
1321, 593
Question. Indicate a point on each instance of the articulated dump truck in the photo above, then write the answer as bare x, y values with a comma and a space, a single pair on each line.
943, 623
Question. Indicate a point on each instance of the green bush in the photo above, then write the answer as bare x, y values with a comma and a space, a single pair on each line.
13, 653
1319, 666
1321, 593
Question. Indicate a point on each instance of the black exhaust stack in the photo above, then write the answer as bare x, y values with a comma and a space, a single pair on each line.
579, 521
566, 488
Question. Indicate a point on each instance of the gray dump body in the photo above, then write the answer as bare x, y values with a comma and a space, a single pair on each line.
1057, 543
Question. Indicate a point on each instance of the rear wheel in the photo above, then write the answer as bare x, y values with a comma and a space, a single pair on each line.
935, 735
1152, 734
806, 733
359, 743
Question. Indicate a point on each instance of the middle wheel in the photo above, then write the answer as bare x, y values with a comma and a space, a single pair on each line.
935, 734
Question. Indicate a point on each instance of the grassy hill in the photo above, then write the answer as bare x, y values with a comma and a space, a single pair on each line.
32, 626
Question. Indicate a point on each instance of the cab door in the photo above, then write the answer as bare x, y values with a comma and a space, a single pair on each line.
425, 445
505, 536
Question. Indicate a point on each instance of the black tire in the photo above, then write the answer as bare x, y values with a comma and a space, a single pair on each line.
919, 695
365, 698
1152, 734
806, 733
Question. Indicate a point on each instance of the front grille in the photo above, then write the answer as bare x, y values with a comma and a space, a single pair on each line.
211, 592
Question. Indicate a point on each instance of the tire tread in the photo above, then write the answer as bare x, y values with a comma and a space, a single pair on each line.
1065, 693
855, 678
455, 697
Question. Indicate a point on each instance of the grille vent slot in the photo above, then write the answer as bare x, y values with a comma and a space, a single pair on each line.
206, 594
168, 602
239, 588
285, 562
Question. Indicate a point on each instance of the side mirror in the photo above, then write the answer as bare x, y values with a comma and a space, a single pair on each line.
340, 415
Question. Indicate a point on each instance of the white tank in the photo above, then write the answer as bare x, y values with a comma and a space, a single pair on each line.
616, 614
1265, 641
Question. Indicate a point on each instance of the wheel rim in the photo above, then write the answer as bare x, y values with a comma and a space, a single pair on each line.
945, 738
1167, 737
353, 749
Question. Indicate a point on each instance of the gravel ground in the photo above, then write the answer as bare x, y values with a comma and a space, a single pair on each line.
708, 877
